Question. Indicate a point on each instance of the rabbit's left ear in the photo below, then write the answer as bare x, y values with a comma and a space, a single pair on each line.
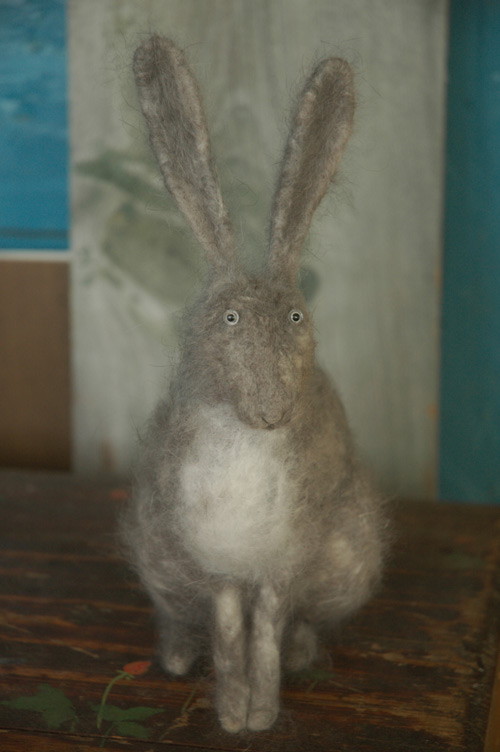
320, 130
172, 108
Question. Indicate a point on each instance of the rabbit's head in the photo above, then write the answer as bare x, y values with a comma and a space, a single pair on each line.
248, 341
251, 341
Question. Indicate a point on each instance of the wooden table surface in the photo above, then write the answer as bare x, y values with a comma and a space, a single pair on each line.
413, 671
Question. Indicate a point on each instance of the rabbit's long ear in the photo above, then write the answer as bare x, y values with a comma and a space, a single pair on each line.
320, 130
171, 104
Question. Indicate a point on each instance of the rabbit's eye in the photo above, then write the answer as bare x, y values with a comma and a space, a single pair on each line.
296, 316
231, 317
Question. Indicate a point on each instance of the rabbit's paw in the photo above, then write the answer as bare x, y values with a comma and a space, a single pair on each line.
232, 708
260, 719
177, 663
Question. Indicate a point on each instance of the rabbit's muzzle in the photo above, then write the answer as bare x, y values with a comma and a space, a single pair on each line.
269, 398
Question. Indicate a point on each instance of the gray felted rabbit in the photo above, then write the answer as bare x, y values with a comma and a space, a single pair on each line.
253, 526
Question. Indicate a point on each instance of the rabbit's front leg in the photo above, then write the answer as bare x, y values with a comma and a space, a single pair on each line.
268, 620
230, 659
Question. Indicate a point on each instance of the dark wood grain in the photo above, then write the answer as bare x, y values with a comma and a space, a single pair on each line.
413, 671
492, 743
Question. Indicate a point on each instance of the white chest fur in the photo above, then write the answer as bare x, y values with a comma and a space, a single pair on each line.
236, 496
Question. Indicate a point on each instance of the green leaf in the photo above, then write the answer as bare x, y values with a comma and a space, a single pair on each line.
20, 703
141, 713
52, 703
126, 728
117, 715
111, 712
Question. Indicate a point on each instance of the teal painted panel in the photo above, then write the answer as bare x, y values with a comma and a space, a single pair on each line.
33, 125
470, 376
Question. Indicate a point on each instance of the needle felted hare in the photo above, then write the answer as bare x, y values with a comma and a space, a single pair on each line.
252, 525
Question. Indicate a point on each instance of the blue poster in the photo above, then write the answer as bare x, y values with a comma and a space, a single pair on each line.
34, 211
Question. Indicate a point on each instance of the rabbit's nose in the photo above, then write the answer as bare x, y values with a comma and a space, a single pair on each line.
274, 420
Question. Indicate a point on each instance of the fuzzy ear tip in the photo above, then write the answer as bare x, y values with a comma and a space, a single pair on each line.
335, 77
338, 68
149, 55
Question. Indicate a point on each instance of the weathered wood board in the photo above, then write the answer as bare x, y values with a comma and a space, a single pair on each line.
35, 389
414, 670
374, 253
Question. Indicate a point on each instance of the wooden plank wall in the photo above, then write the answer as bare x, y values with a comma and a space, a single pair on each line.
375, 248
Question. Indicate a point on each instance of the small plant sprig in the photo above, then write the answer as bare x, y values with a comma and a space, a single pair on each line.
129, 671
56, 709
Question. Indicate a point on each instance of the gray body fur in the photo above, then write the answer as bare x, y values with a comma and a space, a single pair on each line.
252, 525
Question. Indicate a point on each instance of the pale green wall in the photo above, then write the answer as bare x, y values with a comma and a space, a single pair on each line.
374, 249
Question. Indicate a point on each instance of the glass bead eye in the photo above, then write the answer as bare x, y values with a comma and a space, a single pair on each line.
296, 316
231, 317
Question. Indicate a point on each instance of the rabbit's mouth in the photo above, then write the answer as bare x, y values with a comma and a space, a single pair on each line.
270, 422
266, 420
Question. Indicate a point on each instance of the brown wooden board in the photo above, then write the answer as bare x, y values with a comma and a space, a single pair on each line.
35, 414
413, 671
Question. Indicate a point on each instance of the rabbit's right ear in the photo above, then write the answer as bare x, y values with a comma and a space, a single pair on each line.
171, 104
320, 130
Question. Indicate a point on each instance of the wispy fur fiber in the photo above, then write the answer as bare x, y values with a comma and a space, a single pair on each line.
253, 525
